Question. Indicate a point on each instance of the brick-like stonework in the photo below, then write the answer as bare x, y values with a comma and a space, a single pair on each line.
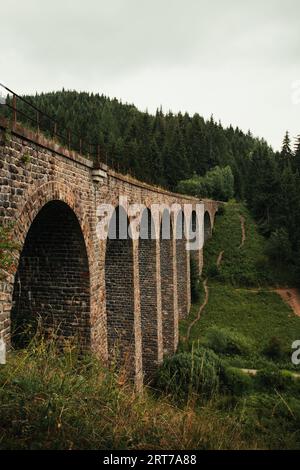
112, 295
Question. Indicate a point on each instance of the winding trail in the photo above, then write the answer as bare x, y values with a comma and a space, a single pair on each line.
206, 288
290, 295
202, 306
205, 302
254, 372
220, 257
242, 219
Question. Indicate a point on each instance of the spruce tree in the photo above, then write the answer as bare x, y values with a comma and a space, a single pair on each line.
286, 151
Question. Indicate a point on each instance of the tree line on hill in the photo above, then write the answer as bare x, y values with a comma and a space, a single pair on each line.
192, 155
161, 149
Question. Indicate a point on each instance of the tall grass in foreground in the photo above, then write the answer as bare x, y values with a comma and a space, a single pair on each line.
57, 400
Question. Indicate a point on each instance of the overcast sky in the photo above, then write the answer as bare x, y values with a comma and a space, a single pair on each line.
238, 60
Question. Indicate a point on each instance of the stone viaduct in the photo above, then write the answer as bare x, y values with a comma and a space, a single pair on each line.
119, 297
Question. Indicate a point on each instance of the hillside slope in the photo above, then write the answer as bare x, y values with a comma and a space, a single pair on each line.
242, 288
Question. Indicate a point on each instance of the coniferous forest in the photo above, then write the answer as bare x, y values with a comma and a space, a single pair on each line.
193, 155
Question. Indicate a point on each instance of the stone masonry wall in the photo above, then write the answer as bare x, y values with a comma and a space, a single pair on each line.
148, 297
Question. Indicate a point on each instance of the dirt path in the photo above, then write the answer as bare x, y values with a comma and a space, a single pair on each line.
206, 289
202, 306
242, 219
253, 372
291, 297
220, 257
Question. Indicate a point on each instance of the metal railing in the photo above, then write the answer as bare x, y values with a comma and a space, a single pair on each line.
14, 107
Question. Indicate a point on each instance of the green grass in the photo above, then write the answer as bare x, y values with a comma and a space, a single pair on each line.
257, 315
240, 295
242, 306
55, 400
245, 266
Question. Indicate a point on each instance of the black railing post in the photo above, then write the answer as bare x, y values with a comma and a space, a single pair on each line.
44, 122
38, 121
14, 109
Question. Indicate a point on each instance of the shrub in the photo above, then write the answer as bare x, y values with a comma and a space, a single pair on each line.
279, 246
7, 246
262, 263
217, 183
274, 349
196, 371
221, 210
25, 158
235, 381
56, 401
226, 341
5, 137
272, 378
213, 271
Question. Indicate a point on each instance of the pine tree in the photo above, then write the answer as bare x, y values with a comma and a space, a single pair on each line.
286, 151
262, 186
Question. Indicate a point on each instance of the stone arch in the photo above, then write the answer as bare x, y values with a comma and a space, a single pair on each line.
148, 293
52, 282
194, 221
119, 292
182, 266
207, 226
167, 283
39, 197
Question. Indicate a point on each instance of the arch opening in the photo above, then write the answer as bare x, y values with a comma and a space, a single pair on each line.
194, 254
52, 283
182, 267
207, 226
167, 283
148, 294
119, 292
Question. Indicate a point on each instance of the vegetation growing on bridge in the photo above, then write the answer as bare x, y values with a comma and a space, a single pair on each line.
7, 247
